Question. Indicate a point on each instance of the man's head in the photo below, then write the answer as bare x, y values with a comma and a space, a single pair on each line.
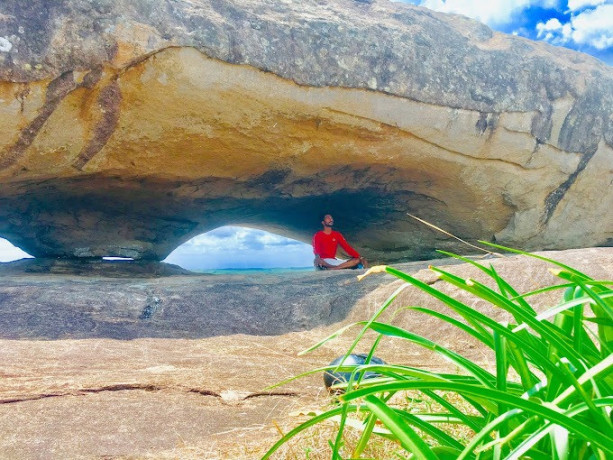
327, 221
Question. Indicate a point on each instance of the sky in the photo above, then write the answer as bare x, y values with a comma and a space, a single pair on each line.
582, 25
240, 248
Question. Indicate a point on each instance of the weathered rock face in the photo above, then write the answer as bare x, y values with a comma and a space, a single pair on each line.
128, 127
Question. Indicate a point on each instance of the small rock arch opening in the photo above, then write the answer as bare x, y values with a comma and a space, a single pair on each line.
234, 247
9, 252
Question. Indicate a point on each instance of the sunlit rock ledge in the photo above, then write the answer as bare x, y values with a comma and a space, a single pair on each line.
128, 128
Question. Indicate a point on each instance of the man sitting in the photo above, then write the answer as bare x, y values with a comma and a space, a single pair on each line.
325, 245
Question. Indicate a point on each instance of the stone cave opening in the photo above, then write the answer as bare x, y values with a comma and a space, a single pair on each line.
232, 247
9, 252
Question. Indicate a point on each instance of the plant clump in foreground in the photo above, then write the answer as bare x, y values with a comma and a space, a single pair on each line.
549, 398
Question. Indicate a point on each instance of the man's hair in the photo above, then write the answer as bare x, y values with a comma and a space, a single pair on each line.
323, 216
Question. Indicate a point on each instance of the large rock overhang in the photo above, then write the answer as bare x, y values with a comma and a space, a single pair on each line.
166, 136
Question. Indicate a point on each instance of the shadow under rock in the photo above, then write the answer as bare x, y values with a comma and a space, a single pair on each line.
50, 305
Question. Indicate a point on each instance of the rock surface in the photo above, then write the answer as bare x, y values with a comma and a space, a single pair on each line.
71, 386
128, 127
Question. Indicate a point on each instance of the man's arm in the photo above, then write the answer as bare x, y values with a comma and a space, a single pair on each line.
319, 262
346, 247
316, 246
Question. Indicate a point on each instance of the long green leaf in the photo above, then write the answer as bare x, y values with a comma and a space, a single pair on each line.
485, 433
303, 426
338, 442
379, 312
472, 422
598, 417
436, 433
566, 305
482, 337
503, 285
407, 437
537, 435
473, 315
482, 375
497, 299
536, 256
521, 366
369, 426
557, 287
501, 374
332, 336
598, 298
603, 440
602, 370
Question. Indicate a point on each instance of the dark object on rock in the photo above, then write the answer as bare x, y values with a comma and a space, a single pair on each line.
333, 378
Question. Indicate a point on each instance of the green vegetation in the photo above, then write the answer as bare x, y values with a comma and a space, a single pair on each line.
549, 396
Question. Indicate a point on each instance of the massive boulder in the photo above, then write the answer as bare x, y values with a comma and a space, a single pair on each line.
128, 127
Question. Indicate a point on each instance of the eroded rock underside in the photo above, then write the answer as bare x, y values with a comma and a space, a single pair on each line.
127, 128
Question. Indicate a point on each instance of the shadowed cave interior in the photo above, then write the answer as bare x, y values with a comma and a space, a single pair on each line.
147, 218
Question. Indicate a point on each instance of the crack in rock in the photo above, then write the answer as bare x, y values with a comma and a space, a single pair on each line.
227, 396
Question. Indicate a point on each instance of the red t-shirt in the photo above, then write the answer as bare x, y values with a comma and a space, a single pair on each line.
325, 245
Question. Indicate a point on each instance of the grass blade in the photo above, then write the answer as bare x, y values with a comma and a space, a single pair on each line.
582, 430
407, 437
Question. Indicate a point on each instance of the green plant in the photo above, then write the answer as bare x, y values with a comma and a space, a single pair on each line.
548, 398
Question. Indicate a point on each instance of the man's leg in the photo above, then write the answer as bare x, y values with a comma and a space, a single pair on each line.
347, 264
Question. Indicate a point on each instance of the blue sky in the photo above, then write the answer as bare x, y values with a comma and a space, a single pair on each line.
583, 25
239, 247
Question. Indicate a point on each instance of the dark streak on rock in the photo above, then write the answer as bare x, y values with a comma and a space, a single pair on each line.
542, 124
122, 387
270, 180
117, 387
57, 90
31, 398
481, 125
109, 101
554, 198
271, 393
205, 392
92, 78
487, 121
22, 94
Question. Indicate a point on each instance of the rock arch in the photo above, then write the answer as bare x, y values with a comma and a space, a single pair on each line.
160, 126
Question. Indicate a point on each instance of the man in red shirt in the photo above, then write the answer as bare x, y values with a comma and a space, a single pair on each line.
325, 245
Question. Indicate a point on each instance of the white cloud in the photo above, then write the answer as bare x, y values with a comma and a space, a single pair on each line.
552, 24
239, 247
492, 12
592, 27
574, 5
8, 252
554, 31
